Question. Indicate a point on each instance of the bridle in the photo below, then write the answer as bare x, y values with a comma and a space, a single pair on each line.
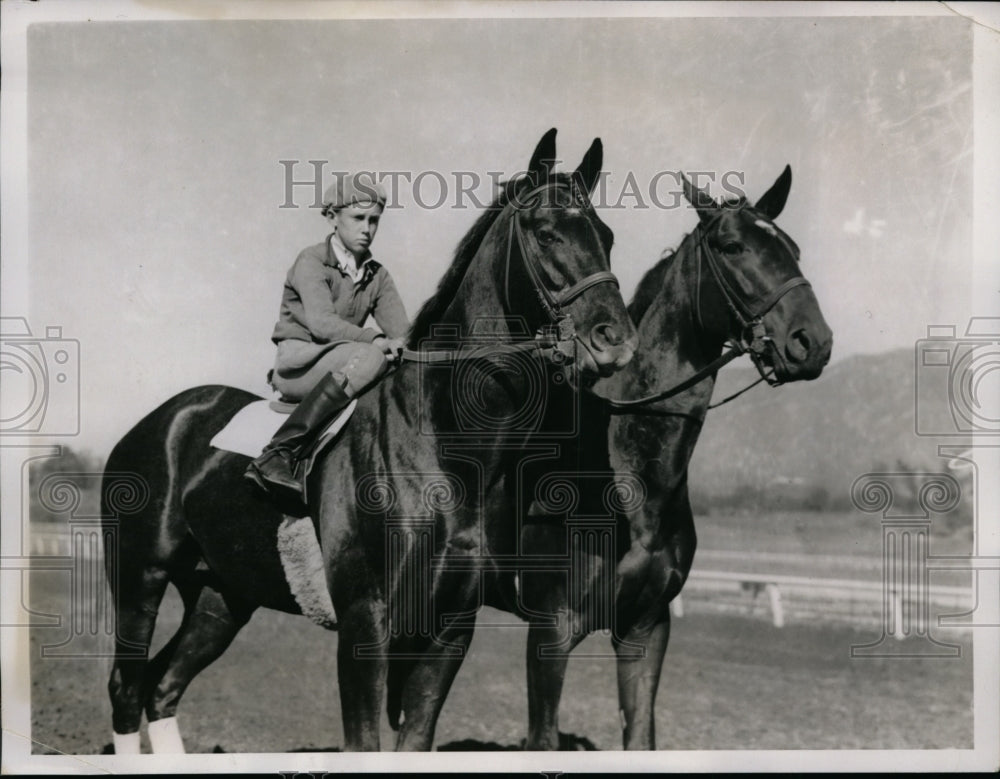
556, 338
749, 314
551, 301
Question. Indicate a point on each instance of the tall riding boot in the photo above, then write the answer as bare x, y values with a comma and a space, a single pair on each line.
279, 469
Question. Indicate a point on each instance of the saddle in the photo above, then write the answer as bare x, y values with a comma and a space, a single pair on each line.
247, 433
254, 425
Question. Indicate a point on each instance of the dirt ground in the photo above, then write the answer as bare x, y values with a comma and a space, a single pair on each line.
729, 682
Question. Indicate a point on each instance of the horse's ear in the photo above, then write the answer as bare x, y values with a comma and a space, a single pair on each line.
774, 199
589, 169
544, 158
700, 199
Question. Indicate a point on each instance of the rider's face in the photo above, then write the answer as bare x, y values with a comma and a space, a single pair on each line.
356, 225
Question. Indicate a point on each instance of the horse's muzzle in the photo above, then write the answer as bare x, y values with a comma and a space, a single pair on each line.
611, 348
804, 354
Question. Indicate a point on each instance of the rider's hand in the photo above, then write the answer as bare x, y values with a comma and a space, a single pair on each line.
391, 347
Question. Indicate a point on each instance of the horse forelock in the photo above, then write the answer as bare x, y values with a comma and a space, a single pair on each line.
765, 223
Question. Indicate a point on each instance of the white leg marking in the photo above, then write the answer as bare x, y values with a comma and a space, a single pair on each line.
165, 737
126, 743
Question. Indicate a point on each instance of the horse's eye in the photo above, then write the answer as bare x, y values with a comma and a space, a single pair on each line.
547, 237
732, 248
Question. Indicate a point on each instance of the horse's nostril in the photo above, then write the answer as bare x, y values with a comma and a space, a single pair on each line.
798, 346
603, 336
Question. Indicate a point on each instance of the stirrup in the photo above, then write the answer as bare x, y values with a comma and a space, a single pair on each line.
288, 495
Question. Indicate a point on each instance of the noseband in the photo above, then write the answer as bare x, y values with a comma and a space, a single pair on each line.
748, 312
561, 326
553, 340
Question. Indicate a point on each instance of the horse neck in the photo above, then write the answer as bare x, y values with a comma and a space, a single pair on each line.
475, 312
477, 309
673, 343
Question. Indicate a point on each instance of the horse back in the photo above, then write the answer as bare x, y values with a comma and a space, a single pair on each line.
190, 511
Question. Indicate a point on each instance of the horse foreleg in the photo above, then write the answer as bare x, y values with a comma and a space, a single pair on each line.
552, 635
427, 686
362, 673
547, 657
638, 680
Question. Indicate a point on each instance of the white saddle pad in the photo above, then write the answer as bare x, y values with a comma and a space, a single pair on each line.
254, 425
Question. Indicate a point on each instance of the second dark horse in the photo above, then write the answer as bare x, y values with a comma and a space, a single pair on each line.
611, 512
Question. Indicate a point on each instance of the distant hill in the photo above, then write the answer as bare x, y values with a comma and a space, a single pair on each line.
815, 438
796, 447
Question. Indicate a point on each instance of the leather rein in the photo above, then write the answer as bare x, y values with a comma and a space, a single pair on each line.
552, 341
749, 313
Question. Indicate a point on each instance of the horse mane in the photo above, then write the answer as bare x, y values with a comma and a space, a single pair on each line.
649, 286
433, 309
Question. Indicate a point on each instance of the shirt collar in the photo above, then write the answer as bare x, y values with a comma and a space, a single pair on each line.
340, 257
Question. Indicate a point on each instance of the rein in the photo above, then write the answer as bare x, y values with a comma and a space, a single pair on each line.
753, 339
544, 346
551, 341
626, 406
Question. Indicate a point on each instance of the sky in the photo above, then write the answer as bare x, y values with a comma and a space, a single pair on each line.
157, 240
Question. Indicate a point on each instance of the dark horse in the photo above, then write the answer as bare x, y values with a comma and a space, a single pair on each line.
406, 505
734, 279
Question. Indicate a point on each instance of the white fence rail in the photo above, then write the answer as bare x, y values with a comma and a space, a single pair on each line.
778, 597
808, 597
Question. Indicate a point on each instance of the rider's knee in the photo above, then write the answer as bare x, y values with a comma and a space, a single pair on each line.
366, 365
